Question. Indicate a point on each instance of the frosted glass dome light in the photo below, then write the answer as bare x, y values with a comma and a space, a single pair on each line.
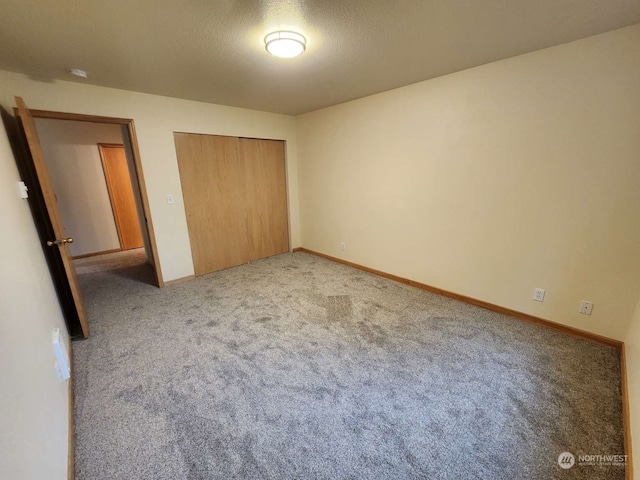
285, 44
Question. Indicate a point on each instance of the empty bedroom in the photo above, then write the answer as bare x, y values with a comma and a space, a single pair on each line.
374, 240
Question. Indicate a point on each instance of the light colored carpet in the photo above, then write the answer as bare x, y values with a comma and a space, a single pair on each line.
294, 367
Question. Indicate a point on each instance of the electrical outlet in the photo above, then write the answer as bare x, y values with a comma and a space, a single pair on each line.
538, 295
586, 307
343, 246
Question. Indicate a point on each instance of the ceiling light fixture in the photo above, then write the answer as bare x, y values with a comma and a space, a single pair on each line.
285, 44
78, 73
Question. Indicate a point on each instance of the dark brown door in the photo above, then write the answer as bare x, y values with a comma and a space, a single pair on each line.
43, 205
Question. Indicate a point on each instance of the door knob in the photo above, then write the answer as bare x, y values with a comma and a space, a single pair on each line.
60, 242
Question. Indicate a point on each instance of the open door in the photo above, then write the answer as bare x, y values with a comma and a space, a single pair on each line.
50, 229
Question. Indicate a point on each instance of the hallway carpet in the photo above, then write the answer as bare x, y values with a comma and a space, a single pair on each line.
295, 367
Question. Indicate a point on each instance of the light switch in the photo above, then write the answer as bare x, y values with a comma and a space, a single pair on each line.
23, 190
170, 199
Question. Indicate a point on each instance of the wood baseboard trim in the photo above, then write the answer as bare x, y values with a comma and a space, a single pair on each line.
297, 249
178, 280
94, 254
71, 454
557, 327
626, 419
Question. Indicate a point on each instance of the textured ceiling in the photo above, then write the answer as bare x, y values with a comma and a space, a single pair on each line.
213, 50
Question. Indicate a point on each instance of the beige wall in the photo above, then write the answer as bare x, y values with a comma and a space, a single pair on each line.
156, 118
490, 182
73, 160
632, 350
33, 403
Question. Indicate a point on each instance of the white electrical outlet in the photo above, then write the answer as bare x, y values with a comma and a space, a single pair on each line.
586, 307
343, 246
538, 295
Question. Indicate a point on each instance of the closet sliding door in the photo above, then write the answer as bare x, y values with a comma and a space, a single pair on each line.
266, 196
234, 192
213, 185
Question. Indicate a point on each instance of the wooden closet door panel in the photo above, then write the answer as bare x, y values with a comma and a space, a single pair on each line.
189, 153
227, 204
266, 196
213, 187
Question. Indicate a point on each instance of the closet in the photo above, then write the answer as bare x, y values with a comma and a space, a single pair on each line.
234, 192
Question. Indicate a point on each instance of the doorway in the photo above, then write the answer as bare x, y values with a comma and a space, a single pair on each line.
109, 231
93, 186
28, 153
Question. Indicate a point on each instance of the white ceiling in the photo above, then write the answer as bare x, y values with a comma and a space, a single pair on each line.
213, 50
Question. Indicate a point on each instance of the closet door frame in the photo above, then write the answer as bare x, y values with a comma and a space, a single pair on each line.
190, 198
